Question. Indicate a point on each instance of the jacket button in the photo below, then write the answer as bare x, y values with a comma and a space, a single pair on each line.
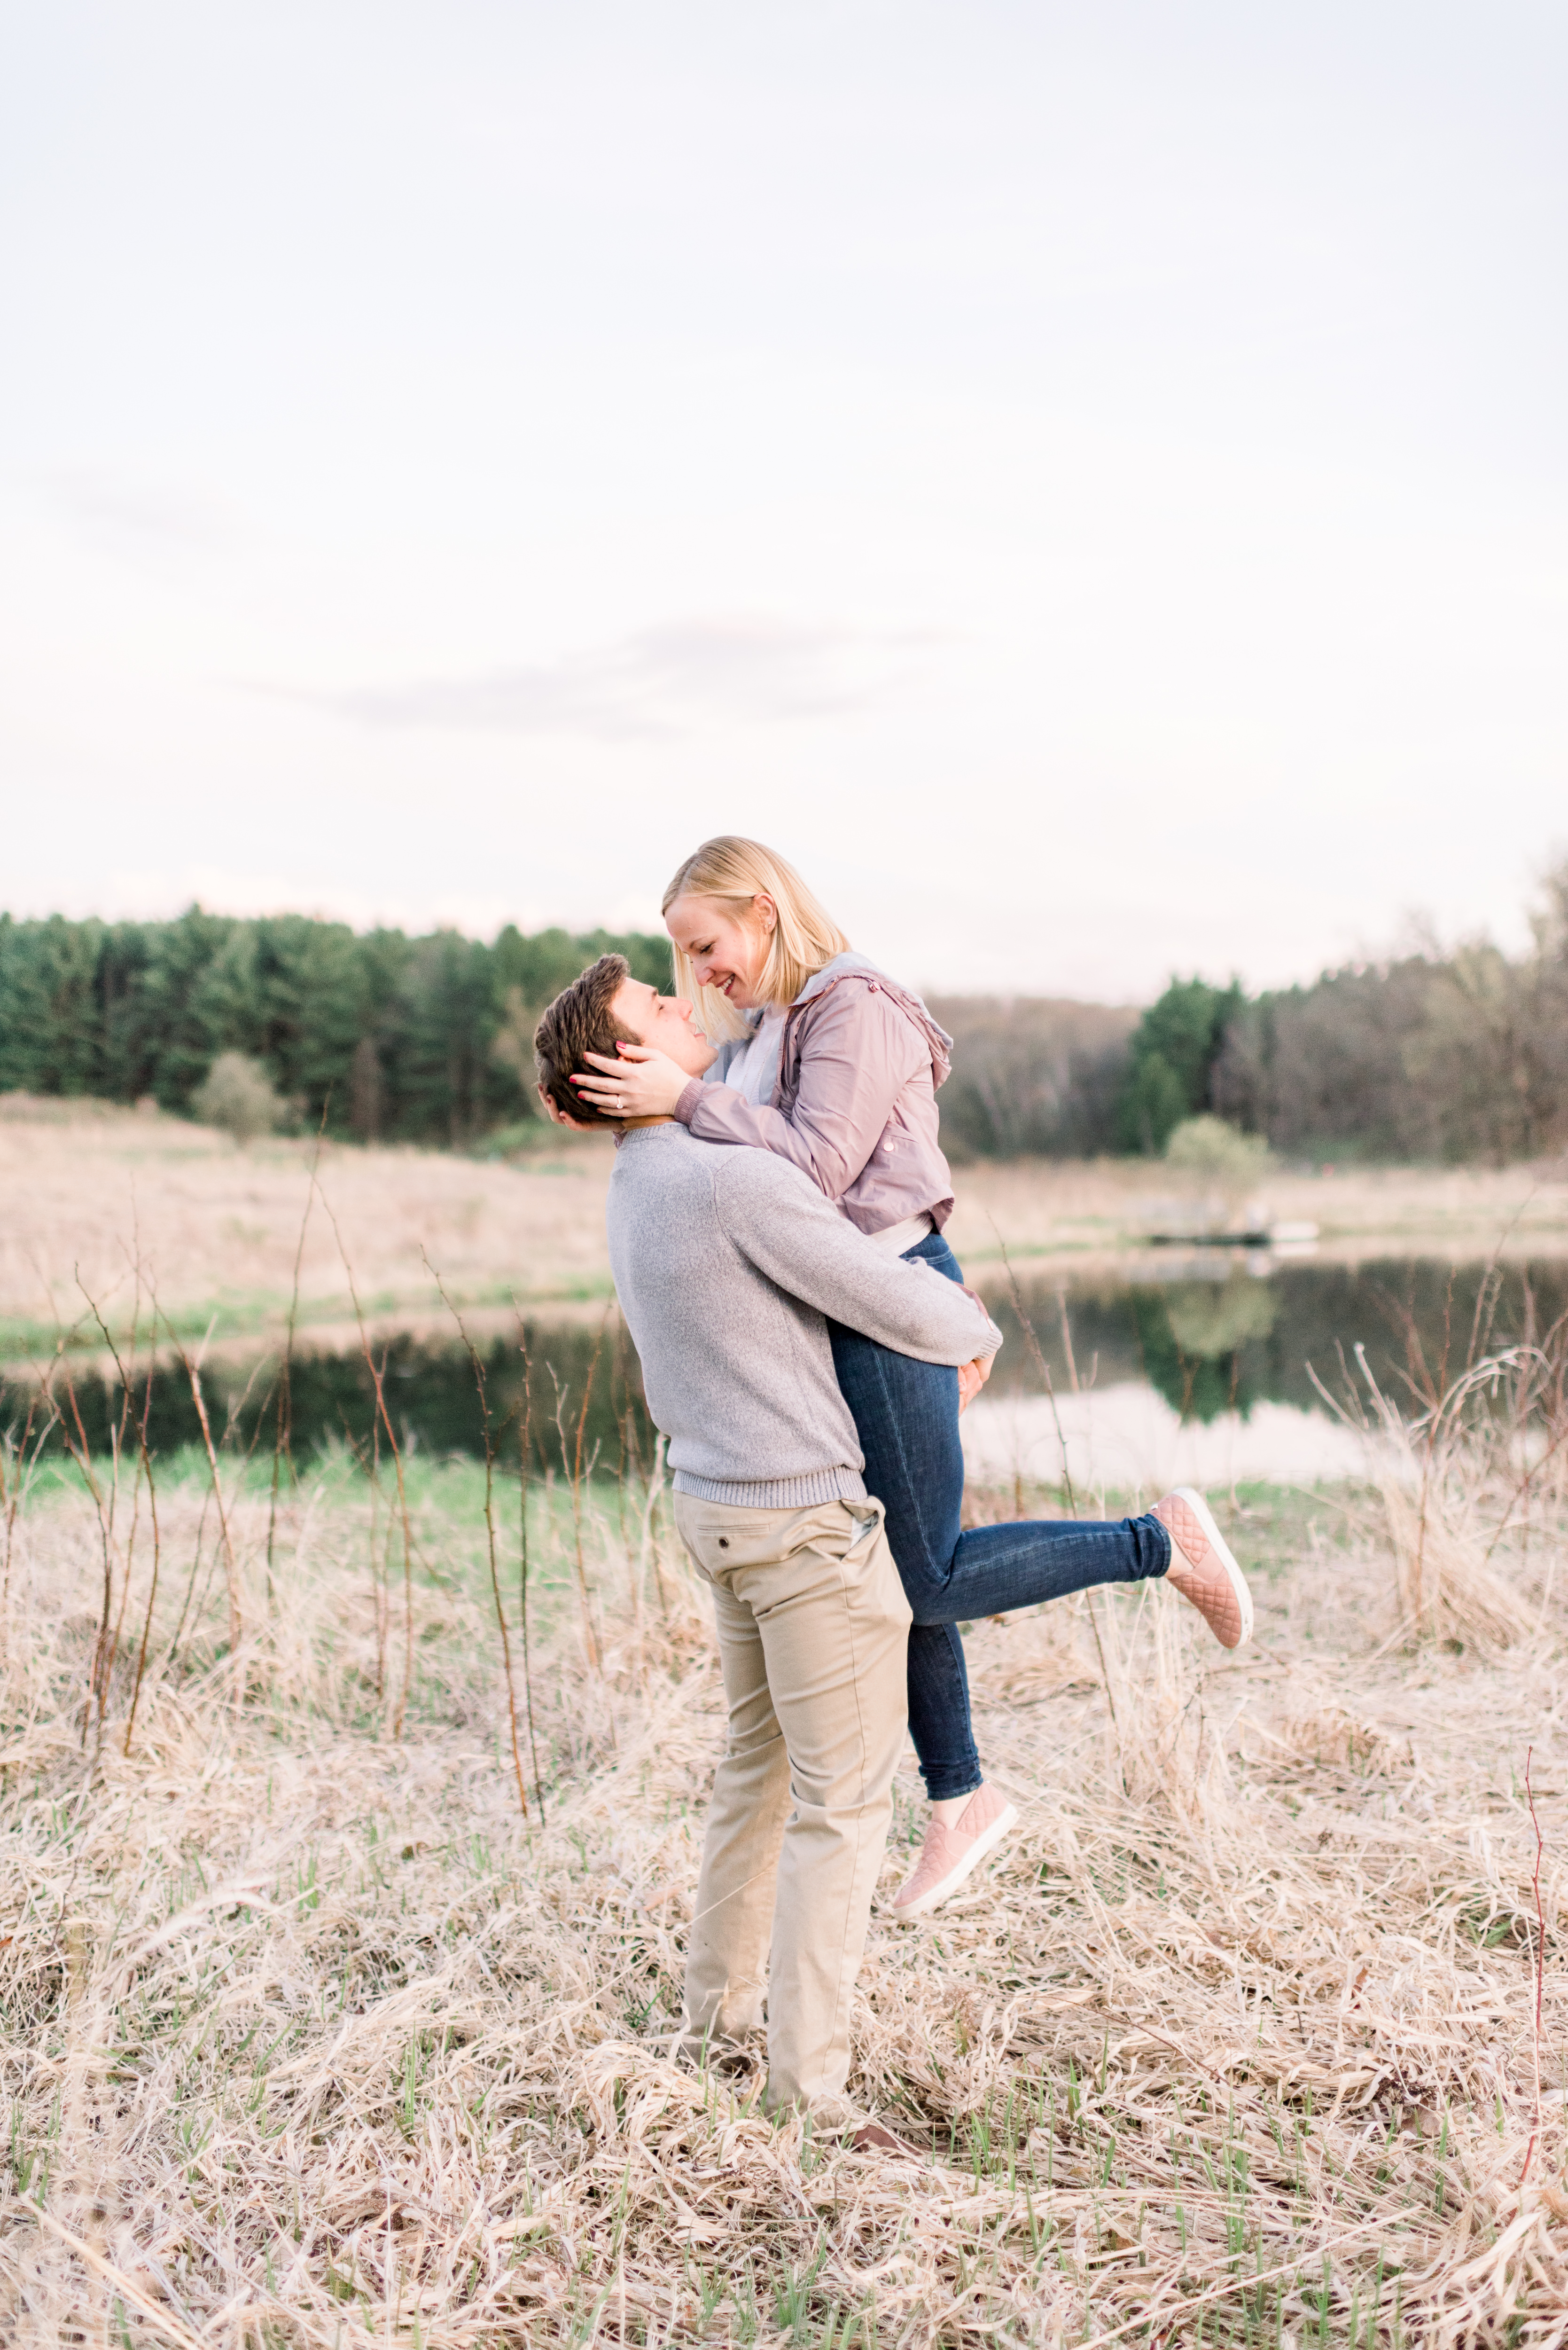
724, 1541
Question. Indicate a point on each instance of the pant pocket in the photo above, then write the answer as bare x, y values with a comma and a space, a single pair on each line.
871, 1572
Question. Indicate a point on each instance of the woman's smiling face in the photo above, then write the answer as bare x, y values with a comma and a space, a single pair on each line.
725, 954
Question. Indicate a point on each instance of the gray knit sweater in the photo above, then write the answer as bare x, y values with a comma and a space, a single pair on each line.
726, 1262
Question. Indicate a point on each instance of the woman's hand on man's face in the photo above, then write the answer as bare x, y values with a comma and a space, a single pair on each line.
643, 1083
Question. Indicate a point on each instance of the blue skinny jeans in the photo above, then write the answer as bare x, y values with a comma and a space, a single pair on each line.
905, 1414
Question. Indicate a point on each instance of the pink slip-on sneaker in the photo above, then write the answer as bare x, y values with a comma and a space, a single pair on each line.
1202, 1568
950, 1853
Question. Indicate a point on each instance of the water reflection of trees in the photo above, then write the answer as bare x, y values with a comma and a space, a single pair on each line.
1207, 1347
583, 1386
1211, 1346
1195, 1337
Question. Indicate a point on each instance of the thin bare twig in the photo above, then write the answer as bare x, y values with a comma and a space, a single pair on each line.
526, 1463
1540, 1961
281, 1449
145, 1460
377, 1380
478, 1370
231, 1564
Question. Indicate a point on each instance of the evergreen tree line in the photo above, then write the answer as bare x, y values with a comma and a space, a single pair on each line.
390, 1037
1435, 1055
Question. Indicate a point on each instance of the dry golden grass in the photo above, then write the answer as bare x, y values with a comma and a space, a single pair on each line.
89, 1187
1068, 1209
91, 1190
309, 2038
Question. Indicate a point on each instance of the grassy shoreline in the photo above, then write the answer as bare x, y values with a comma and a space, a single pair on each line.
110, 1206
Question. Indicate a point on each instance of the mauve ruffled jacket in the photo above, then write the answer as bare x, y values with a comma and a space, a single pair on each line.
856, 1102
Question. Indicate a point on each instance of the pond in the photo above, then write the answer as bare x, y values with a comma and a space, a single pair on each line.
1210, 1367
1199, 1367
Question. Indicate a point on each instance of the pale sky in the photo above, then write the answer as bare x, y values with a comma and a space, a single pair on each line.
1086, 482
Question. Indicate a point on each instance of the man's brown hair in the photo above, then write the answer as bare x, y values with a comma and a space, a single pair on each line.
576, 1023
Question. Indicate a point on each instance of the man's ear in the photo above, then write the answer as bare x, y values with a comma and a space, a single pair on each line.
556, 1116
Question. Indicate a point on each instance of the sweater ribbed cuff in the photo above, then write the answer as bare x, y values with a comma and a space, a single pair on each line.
691, 1095
774, 1492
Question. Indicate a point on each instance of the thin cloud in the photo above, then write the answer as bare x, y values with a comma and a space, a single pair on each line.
142, 514
670, 679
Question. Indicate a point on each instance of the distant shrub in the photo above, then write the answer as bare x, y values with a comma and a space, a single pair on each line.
1218, 1159
238, 1097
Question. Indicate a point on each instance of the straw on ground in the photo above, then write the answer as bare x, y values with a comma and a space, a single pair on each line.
311, 2037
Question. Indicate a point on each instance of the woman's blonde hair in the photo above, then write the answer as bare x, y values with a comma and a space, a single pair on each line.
733, 871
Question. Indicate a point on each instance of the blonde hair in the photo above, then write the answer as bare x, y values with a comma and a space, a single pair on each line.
733, 871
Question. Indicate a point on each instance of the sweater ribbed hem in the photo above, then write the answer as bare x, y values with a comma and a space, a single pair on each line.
774, 1492
691, 1095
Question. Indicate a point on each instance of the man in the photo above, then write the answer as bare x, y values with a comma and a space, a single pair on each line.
727, 1262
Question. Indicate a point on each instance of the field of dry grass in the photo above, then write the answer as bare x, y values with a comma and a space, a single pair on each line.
310, 2034
1257, 2031
90, 1189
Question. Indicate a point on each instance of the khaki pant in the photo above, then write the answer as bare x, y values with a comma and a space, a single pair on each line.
813, 1634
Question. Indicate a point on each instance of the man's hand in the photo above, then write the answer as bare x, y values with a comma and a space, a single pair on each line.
643, 1083
973, 1377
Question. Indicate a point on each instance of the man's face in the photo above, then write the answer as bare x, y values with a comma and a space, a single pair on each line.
663, 1022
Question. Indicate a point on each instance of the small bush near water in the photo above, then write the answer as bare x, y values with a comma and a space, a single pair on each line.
236, 1097
337, 1975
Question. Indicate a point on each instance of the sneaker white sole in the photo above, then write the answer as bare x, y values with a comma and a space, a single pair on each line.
1222, 1552
934, 1894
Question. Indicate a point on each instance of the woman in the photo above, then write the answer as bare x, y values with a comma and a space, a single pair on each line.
832, 1065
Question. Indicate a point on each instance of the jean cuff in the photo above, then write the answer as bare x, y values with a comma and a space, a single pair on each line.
942, 1794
